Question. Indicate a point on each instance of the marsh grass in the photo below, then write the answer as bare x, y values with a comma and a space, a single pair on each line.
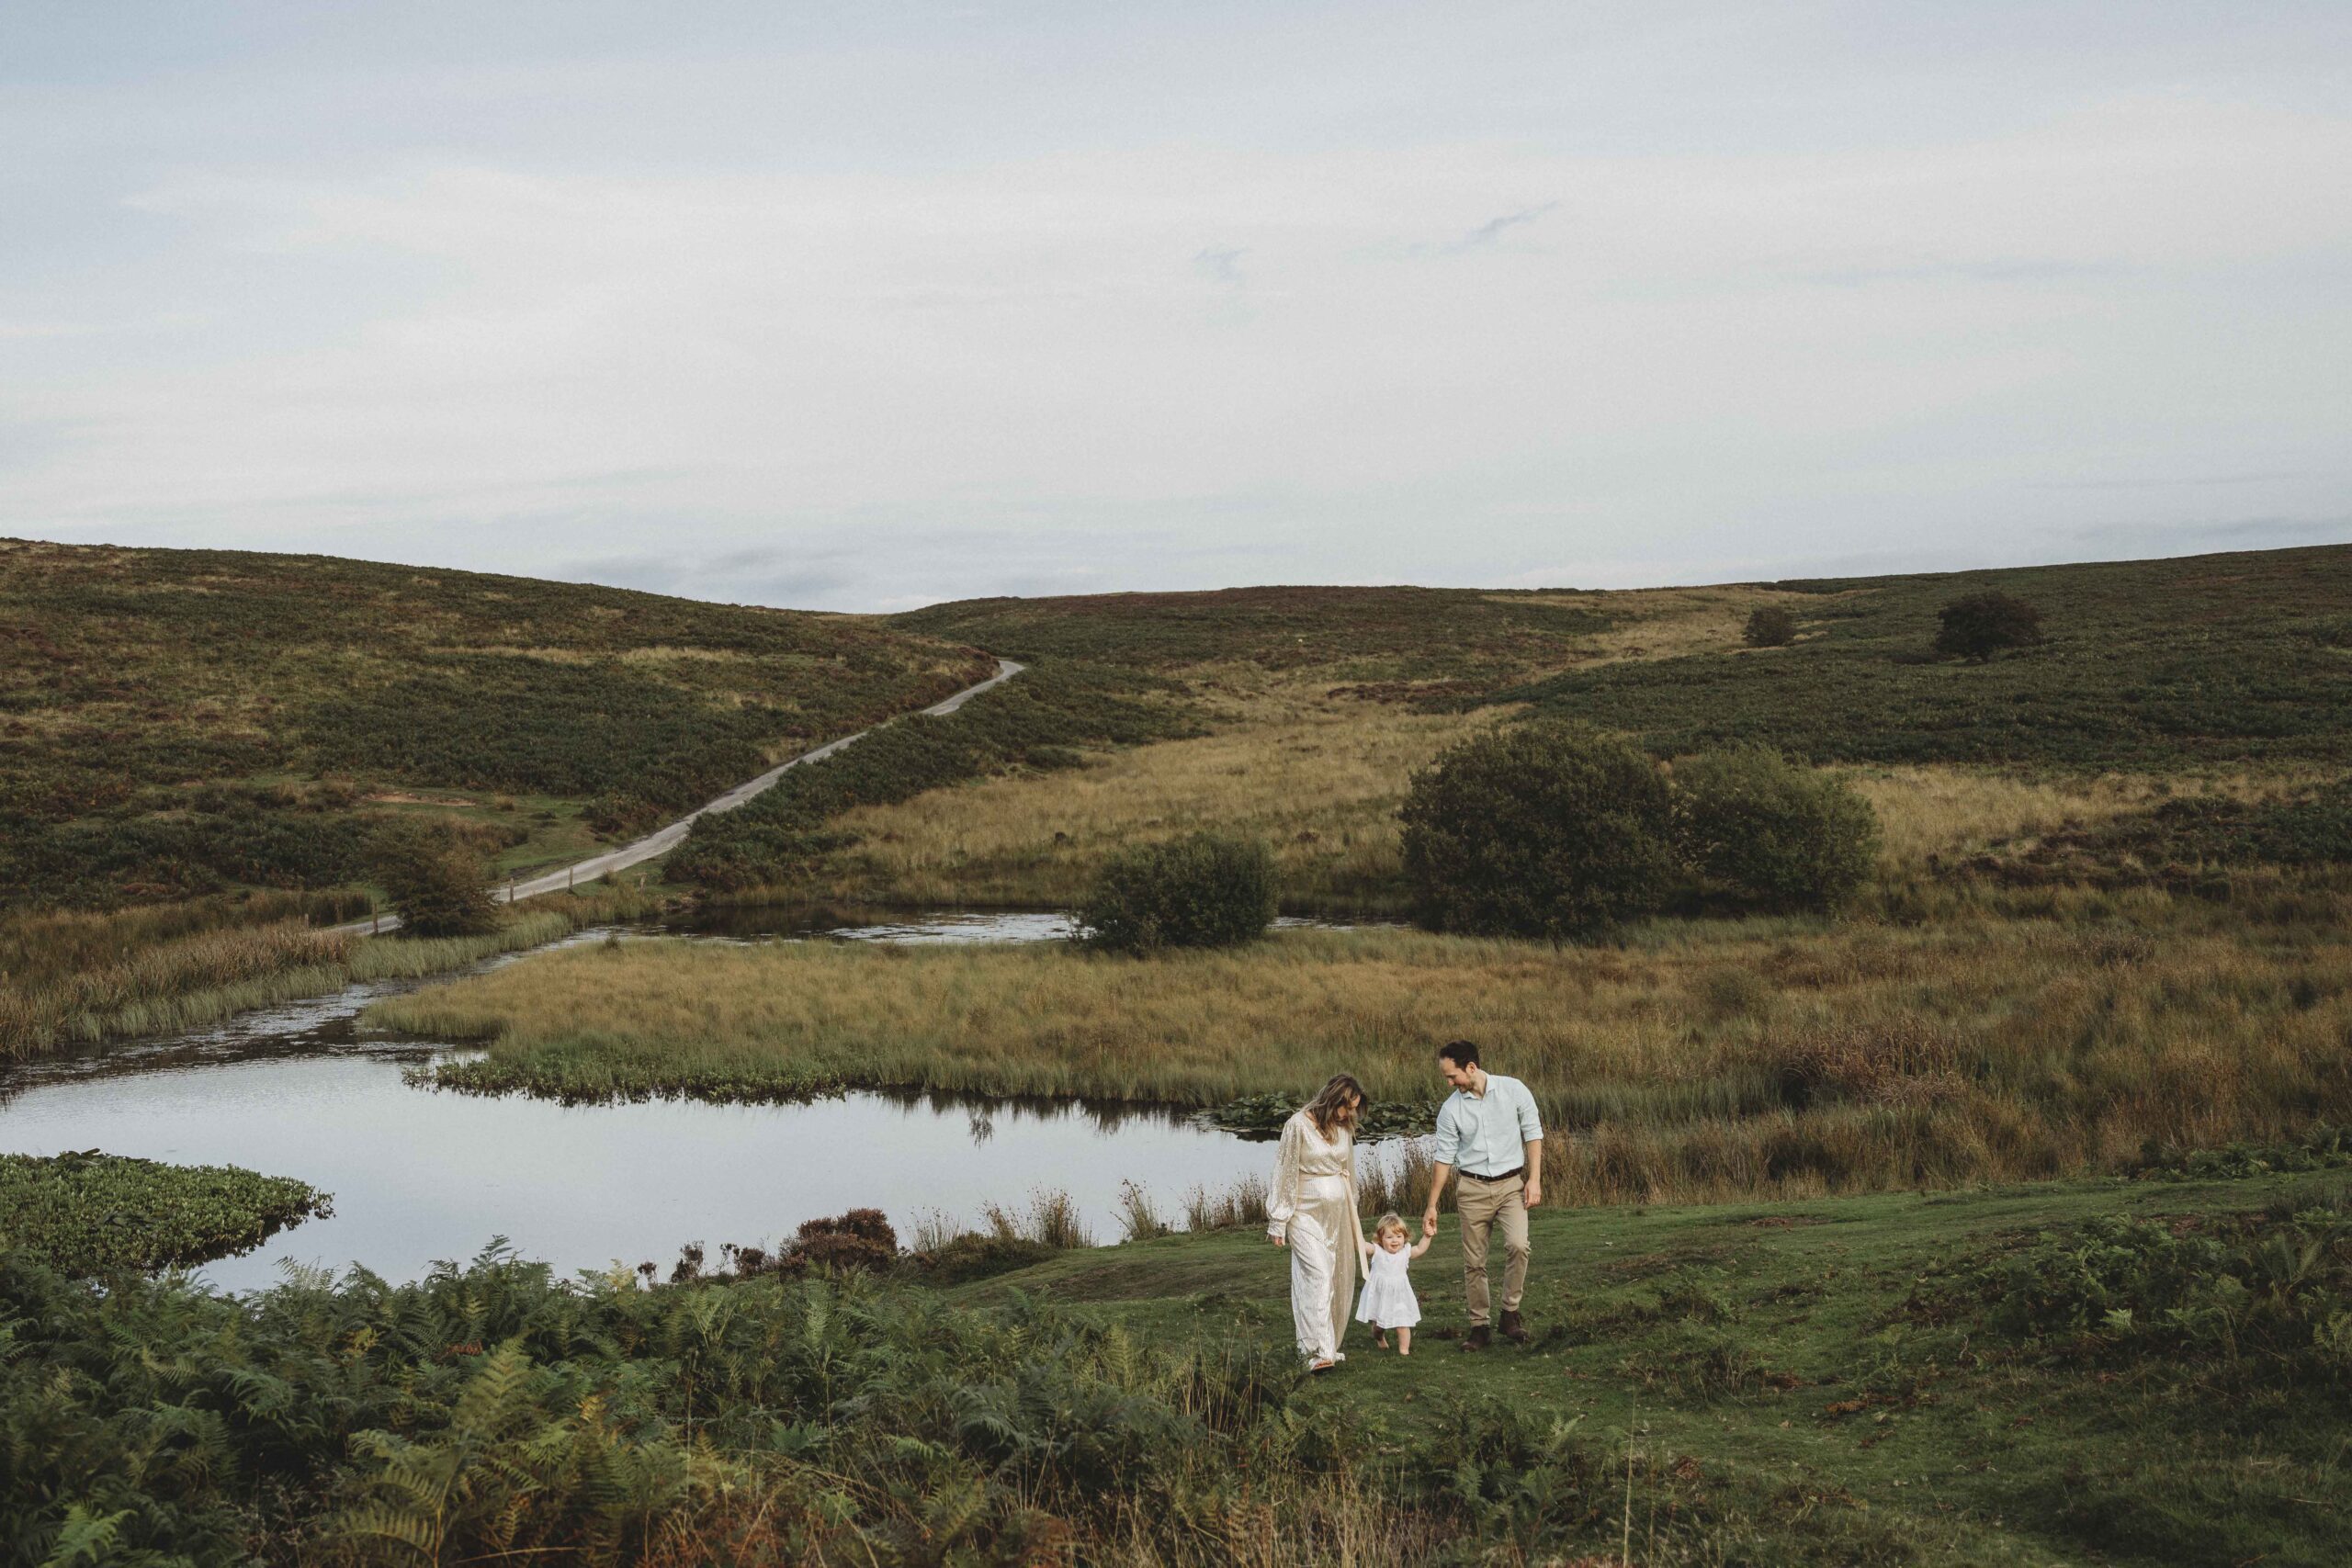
1992, 1042
1139, 1217
1052, 1219
188, 981
1241, 1203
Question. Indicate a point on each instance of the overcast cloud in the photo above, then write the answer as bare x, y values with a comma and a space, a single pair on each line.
863, 307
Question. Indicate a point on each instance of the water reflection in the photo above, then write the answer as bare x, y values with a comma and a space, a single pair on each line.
812, 922
420, 1177
294, 1090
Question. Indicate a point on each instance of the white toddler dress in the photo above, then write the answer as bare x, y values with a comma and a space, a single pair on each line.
1387, 1301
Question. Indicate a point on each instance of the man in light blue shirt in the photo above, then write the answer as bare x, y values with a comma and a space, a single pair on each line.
1489, 1127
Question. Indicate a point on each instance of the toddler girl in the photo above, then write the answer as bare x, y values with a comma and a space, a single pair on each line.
1387, 1301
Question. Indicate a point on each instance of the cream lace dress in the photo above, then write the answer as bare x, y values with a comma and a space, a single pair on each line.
1312, 1206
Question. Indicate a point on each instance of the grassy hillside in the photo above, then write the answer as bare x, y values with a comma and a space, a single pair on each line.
2038, 1375
2229, 673
175, 722
2164, 665
1395, 634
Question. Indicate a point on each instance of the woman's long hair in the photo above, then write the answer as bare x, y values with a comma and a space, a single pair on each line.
1335, 1097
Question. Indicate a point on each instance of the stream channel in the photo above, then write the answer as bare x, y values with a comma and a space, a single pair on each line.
419, 1174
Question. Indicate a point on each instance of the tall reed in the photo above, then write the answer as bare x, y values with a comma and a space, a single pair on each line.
158, 985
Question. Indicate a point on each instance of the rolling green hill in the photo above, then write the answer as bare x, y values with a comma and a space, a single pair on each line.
2157, 664
2147, 664
173, 722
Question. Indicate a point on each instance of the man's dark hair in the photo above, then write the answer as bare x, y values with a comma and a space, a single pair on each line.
1461, 1053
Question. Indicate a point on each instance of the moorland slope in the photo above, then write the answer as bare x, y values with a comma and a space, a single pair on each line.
176, 722
1303, 711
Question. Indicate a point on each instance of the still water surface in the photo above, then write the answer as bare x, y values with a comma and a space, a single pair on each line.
419, 1174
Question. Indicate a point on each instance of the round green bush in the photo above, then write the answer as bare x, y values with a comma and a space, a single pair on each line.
438, 884
1978, 626
1774, 835
1540, 829
1206, 890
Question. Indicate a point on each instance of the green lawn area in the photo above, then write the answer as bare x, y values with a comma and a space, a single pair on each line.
1790, 1389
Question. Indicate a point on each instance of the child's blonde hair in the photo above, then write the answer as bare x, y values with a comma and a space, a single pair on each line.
1391, 1221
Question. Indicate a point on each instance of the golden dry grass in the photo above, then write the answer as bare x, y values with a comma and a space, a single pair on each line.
1711, 1061
1319, 777
1928, 812
1674, 622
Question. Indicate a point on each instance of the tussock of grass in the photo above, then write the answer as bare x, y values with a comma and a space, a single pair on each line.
1855, 1057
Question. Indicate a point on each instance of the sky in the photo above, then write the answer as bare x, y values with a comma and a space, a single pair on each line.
864, 306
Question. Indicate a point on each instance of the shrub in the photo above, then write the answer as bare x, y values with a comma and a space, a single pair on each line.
438, 884
1543, 831
1772, 625
859, 1241
1772, 834
2270, 1293
1205, 890
1982, 625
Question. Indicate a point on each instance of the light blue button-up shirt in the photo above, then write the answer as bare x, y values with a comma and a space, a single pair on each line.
1487, 1134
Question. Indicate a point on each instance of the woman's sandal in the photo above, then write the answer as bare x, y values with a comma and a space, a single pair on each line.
1313, 1367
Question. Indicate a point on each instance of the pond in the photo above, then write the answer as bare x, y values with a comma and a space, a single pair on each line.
419, 1176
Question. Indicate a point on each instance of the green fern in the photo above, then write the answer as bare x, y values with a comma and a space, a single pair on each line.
86, 1537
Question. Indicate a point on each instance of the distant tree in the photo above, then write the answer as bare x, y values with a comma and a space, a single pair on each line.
1208, 890
1772, 625
1982, 625
1771, 833
1540, 829
438, 884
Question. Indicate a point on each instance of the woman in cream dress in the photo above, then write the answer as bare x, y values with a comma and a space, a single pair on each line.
1312, 1211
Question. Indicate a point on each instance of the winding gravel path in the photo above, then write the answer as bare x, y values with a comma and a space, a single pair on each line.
661, 840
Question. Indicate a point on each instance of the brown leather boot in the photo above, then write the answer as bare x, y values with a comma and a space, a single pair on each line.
1513, 1329
1479, 1338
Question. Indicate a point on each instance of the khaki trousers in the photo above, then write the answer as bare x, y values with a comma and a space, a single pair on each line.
1484, 1205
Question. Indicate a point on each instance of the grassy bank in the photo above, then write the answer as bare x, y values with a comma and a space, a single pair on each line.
2062, 1373
2121, 1373
92, 1214
161, 983
1992, 1038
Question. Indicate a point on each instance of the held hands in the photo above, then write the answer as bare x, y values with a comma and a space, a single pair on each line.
1428, 1222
